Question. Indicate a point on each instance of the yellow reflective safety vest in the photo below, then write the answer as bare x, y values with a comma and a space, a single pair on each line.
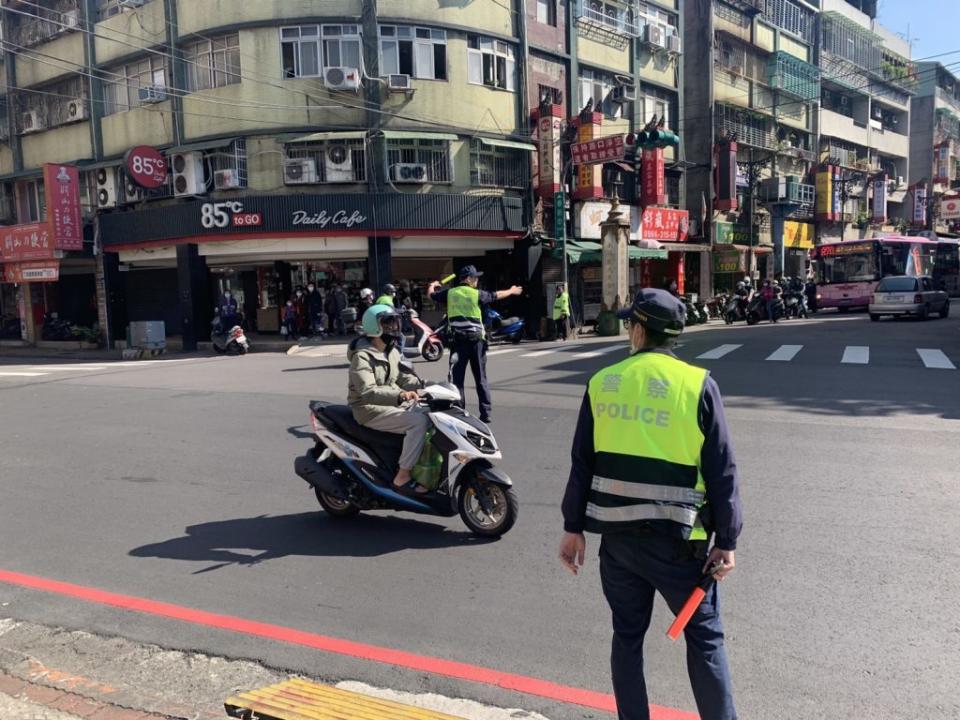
384, 300
463, 311
647, 440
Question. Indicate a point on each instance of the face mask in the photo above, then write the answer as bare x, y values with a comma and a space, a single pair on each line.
311, 288
226, 295
289, 304
299, 294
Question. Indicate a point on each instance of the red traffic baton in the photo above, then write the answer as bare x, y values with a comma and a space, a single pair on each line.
692, 603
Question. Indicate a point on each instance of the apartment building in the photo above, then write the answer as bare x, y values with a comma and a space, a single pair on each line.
934, 192
750, 133
867, 84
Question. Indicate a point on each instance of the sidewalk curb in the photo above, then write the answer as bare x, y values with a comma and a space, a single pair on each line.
74, 704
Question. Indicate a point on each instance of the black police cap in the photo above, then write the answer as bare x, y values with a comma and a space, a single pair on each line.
657, 310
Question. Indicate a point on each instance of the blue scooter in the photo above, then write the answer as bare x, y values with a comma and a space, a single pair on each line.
501, 329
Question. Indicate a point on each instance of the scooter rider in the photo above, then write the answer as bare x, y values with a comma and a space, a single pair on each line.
389, 296
382, 395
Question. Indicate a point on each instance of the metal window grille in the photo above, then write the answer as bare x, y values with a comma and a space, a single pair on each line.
617, 16
41, 23
842, 37
232, 157
792, 76
791, 17
498, 167
318, 153
434, 154
749, 128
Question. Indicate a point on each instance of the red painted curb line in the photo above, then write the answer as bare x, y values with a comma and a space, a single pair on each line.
411, 661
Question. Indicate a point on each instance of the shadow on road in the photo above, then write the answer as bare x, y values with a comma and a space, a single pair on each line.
312, 534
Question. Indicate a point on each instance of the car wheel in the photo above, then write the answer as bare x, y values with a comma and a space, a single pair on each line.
874, 317
945, 310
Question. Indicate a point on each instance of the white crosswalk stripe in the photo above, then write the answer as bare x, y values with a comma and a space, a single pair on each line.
502, 352
718, 352
785, 353
589, 354
856, 355
21, 374
538, 353
935, 359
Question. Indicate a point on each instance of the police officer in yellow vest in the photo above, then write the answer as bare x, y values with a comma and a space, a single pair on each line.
653, 472
465, 320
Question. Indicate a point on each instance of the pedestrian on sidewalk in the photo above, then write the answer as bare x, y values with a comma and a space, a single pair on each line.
288, 327
561, 312
654, 474
464, 305
315, 310
339, 305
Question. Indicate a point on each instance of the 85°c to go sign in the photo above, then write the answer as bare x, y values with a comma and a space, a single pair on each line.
146, 166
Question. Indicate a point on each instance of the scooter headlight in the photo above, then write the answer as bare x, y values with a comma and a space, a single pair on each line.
480, 442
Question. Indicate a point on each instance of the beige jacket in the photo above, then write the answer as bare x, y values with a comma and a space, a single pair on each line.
376, 380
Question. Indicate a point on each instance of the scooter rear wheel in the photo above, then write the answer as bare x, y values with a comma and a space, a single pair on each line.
334, 506
432, 352
505, 508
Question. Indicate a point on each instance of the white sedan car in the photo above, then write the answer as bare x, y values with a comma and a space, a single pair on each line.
907, 295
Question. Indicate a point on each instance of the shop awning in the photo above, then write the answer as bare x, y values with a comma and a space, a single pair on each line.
324, 136
587, 251
417, 135
205, 145
512, 144
685, 247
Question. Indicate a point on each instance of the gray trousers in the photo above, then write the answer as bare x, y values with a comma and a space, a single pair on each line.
412, 423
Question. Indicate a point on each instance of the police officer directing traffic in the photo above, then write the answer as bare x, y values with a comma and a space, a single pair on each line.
654, 474
465, 320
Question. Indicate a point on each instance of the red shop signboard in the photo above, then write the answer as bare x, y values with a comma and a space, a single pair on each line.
63, 228
664, 224
48, 271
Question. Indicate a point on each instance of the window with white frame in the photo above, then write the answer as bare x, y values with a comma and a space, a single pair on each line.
122, 83
31, 201
598, 85
415, 51
433, 154
491, 62
648, 14
332, 159
307, 49
213, 63
492, 166
615, 15
652, 102
109, 8
547, 12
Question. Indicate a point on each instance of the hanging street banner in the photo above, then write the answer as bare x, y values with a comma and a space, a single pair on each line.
63, 228
601, 150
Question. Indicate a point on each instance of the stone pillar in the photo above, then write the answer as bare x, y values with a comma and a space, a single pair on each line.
192, 286
28, 328
615, 231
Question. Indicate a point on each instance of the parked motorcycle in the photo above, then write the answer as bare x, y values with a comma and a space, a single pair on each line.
501, 329
696, 313
427, 342
351, 467
54, 328
230, 342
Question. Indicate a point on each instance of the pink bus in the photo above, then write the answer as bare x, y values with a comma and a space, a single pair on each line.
847, 272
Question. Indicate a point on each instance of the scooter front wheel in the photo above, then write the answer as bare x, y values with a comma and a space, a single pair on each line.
432, 352
488, 509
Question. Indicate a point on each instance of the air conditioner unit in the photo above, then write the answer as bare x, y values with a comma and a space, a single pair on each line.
673, 43
188, 178
132, 192
409, 173
152, 93
77, 110
106, 187
131, 3
227, 179
300, 171
399, 83
654, 35
341, 78
32, 121
70, 20
338, 164
623, 94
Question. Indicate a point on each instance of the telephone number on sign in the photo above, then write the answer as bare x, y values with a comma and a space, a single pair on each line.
248, 220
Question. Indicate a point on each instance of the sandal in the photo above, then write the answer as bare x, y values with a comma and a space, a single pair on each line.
411, 489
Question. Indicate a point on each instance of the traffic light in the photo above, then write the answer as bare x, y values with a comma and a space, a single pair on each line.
650, 139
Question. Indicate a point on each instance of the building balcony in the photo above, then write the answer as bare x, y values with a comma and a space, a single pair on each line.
947, 99
890, 143
791, 76
834, 124
746, 127
615, 17
787, 190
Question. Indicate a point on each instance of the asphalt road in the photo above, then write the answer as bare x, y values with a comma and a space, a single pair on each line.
173, 481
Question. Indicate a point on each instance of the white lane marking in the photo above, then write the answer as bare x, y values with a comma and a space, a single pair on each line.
856, 355
589, 354
21, 374
785, 353
935, 359
68, 368
538, 353
501, 352
718, 352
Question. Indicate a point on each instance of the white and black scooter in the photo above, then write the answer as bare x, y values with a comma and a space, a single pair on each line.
231, 342
351, 467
